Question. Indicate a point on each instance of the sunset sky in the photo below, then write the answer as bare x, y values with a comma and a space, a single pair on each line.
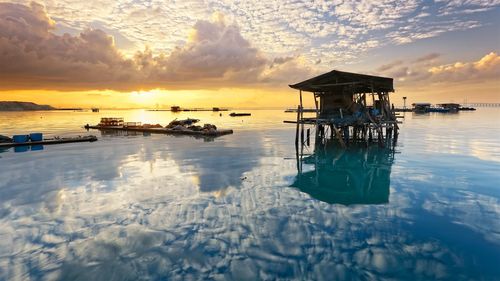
135, 53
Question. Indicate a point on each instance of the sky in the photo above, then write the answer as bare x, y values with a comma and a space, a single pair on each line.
243, 54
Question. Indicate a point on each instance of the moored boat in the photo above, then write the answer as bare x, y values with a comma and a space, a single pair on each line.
234, 114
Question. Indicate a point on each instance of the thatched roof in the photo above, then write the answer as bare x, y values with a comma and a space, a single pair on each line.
335, 80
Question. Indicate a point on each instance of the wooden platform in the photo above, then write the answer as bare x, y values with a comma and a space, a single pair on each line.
51, 141
217, 133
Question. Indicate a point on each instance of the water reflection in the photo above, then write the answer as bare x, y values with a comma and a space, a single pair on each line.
219, 167
118, 133
172, 208
357, 175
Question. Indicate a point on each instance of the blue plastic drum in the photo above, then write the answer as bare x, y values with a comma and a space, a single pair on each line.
20, 138
36, 136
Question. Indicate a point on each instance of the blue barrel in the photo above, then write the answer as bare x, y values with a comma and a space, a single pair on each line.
36, 147
36, 136
23, 148
21, 138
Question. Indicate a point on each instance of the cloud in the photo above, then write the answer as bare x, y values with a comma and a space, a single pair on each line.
280, 28
32, 56
427, 58
389, 66
215, 50
315, 36
487, 67
286, 71
215, 55
425, 69
466, 6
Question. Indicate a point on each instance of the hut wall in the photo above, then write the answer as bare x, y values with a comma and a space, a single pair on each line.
331, 103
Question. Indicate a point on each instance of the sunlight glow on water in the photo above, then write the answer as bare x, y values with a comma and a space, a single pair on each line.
134, 207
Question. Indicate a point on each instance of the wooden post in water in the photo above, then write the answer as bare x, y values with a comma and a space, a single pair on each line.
395, 139
316, 131
302, 120
297, 130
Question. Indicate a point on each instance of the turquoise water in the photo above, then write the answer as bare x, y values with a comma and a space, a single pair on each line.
134, 207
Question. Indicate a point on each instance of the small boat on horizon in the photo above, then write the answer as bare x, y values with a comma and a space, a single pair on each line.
234, 114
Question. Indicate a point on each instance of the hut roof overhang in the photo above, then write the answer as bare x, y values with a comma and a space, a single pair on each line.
334, 80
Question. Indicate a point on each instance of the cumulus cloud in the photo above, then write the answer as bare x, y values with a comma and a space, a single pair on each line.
214, 51
426, 69
32, 56
487, 67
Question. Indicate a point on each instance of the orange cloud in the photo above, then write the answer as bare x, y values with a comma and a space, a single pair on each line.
217, 55
424, 70
487, 67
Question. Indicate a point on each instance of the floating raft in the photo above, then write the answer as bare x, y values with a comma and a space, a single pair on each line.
216, 133
51, 141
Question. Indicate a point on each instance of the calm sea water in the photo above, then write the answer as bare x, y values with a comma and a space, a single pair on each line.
135, 207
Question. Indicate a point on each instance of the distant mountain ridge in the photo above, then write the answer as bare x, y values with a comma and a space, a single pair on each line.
22, 106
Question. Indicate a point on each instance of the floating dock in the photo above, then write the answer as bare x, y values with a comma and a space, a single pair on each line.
50, 141
216, 133
294, 110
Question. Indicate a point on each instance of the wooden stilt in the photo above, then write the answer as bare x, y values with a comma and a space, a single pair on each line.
297, 130
302, 134
308, 137
302, 120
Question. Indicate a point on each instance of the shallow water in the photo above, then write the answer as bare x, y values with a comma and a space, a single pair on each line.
135, 207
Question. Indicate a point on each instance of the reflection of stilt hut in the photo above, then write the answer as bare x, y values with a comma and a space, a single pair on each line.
346, 176
352, 106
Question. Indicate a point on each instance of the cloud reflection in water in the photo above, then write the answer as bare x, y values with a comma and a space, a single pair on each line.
134, 207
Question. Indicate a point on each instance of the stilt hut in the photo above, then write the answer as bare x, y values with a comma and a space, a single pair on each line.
452, 107
354, 107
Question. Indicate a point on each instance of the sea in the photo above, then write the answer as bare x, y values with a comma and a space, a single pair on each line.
247, 206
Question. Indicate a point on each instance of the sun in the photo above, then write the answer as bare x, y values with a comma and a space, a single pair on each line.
143, 97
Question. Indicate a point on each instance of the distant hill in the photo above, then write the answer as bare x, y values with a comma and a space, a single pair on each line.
22, 106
